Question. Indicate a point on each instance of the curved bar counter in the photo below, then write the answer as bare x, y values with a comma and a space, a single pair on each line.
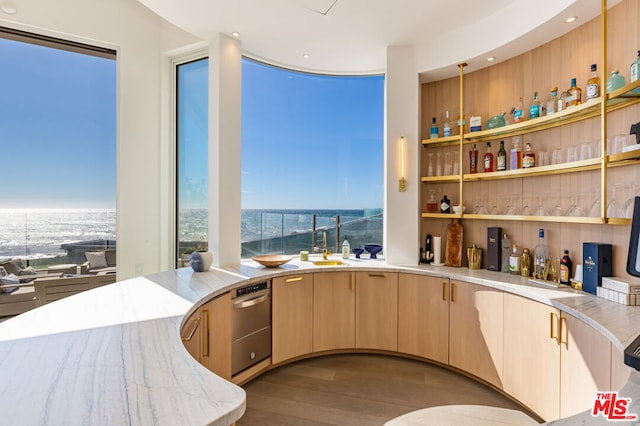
114, 355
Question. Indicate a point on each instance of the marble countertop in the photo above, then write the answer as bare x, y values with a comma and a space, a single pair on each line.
113, 355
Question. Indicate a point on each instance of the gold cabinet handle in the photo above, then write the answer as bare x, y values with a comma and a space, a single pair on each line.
205, 337
553, 330
377, 275
564, 332
444, 290
351, 283
190, 330
294, 279
453, 292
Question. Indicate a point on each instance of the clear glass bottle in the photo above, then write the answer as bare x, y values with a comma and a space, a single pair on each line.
540, 256
502, 158
552, 103
346, 248
562, 101
534, 109
566, 268
473, 159
593, 84
574, 94
462, 125
635, 72
515, 157
445, 205
488, 159
528, 158
433, 131
518, 114
446, 128
514, 261
615, 82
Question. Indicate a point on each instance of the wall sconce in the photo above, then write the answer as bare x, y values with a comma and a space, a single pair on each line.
403, 182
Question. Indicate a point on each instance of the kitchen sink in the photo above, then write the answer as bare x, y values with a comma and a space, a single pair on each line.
328, 262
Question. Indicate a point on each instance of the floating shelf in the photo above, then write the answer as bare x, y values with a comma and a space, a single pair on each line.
561, 219
441, 215
448, 141
441, 179
553, 169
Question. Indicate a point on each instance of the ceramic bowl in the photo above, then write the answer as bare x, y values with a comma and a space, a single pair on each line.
373, 249
456, 209
272, 260
358, 251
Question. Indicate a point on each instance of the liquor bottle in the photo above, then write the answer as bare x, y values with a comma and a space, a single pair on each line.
574, 94
515, 158
635, 72
593, 84
529, 158
462, 125
445, 205
433, 132
346, 248
518, 115
553, 101
514, 261
488, 159
615, 82
506, 251
562, 101
502, 158
540, 256
534, 109
446, 129
473, 159
566, 267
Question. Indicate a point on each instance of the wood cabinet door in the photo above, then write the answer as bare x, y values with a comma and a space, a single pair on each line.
215, 335
585, 365
334, 298
423, 316
377, 310
532, 355
619, 370
292, 317
475, 330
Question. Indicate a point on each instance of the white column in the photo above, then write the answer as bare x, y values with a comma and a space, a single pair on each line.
225, 85
401, 213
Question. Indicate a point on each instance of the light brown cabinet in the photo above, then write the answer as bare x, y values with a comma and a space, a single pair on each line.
377, 310
334, 297
554, 363
475, 331
423, 316
292, 317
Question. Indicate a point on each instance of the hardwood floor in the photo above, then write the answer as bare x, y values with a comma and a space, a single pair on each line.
358, 389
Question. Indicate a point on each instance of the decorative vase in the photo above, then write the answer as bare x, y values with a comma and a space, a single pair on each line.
201, 260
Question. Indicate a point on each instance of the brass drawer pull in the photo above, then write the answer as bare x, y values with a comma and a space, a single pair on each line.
564, 332
553, 330
190, 329
205, 340
444, 290
294, 279
351, 283
376, 275
453, 293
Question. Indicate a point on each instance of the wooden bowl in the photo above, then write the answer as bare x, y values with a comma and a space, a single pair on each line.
272, 260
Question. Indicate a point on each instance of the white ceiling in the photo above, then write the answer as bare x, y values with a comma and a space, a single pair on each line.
351, 36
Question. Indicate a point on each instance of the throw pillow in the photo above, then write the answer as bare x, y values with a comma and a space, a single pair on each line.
96, 259
8, 280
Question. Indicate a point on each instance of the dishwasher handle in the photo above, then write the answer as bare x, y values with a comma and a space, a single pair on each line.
250, 302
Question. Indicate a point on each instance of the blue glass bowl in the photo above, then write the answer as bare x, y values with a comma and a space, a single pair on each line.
358, 251
373, 249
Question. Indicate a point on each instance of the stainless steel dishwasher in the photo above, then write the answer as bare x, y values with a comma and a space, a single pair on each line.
250, 326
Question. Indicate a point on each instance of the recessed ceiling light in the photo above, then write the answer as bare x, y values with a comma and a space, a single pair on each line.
492, 58
306, 56
570, 19
235, 34
9, 8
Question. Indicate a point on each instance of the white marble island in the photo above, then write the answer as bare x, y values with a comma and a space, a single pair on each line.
113, 355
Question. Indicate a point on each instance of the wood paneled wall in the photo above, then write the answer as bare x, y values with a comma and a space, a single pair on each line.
495, 89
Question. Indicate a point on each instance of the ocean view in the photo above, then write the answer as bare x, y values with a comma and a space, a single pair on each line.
38, 233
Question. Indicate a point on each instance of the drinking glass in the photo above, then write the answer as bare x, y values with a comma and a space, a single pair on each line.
430, 167
456, 163
526, 210
494, 208
447, 163
439, 164
543, 158
613, 208
627, 210
571, 153
557, 210
575, 210
510, 209
540, 211
586, 151
619, 142
482, 209
556, 156
594, 210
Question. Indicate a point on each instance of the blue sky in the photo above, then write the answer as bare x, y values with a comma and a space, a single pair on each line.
57, 128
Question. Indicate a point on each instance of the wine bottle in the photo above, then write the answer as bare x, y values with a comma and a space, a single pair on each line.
473, 159
488, 159
502, 158
566, 267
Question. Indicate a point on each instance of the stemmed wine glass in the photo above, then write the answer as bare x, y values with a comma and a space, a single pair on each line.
494, 209
541, 211
613, 208
557, 210
628, 206
594, 210
481, 208
526, 210
575, 210
439, 164
430, 167
510, 209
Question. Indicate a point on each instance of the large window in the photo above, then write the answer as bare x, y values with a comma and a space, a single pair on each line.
192, 161
312, 155
58, 171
